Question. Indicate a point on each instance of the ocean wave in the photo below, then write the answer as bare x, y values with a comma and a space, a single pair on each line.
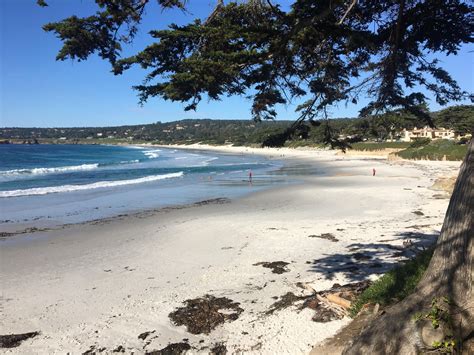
152, 154
40, 171
95, 185
129, 161
239, 164
207, 161
199, 163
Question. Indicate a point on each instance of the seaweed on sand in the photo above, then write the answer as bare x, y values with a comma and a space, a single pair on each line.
328, 236
202, 315
278, 267
14, 340
171, 349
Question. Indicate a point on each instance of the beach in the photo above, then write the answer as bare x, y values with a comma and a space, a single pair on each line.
111, 284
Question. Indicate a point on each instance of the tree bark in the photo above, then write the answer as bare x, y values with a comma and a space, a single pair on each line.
449, 274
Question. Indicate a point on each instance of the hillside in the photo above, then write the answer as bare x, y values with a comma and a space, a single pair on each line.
244, 132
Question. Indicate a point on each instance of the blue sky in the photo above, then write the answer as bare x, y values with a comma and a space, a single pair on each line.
38, 91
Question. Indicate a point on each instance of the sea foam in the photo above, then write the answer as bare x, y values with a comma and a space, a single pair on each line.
96, 185
39, 171
152, 153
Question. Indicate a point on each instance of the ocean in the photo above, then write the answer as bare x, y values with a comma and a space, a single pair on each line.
46, 185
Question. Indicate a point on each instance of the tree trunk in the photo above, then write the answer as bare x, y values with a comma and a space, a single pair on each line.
449, 274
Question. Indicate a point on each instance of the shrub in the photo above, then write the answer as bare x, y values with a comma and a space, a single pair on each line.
420, 142
436, 150
379, 146
396, 284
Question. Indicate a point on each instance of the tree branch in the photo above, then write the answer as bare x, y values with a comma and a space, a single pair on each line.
353, 3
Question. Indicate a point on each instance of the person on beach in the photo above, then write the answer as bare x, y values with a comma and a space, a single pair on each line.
250, 175
373, 171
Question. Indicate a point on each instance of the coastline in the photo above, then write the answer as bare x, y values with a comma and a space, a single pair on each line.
105, 282
134, 180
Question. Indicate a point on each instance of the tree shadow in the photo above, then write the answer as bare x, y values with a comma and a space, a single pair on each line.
365, 259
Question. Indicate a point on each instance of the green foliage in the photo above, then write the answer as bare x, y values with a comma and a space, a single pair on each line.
459, 118
242, 132
238, 132
314, 51
379, 146
419, 142
436, 150
445, 346
396, 284
439, 314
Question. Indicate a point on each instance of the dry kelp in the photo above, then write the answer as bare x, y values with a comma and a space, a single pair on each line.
219, 349
14, 340
278, 267
285, 301
171, 349
328, 305
202, 315
144, 335
328, 236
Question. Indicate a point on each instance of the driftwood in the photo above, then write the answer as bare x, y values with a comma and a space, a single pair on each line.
334, 298
342, 312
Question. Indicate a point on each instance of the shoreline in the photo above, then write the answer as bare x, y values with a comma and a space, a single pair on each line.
103, 284
22, 214
288, 156
4, 236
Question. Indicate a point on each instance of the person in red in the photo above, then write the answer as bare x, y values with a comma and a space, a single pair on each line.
373, 171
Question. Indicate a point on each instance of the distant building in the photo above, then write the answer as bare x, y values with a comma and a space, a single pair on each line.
428, 132
99, 134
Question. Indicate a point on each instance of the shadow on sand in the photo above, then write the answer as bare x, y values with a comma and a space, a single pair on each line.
365, 259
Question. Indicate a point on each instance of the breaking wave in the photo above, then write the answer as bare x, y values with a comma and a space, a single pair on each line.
96, 185
40, 171
152, 154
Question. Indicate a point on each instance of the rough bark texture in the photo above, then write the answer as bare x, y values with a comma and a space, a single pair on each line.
449, 274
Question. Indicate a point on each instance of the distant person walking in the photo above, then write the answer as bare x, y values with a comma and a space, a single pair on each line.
373, 171
250, 175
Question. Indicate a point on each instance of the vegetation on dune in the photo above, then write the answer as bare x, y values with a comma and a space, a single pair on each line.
442, 149
373, 146
422, 148
396, 284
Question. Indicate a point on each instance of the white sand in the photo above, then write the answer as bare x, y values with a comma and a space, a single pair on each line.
103, 284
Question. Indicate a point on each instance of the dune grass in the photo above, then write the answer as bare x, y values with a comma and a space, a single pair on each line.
436, 150
396, 284
371, 146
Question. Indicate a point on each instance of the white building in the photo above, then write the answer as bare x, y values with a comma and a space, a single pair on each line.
428, 132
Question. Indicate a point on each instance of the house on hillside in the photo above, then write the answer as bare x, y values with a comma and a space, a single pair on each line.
428, 132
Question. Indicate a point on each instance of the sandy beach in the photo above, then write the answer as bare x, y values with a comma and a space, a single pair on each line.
101, 286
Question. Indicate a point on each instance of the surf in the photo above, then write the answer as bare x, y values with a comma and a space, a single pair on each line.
95, 185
